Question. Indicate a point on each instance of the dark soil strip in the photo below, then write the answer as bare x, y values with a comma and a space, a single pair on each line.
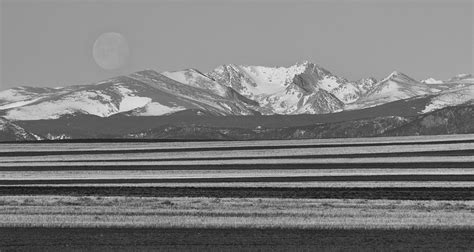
229, 148
244, 179
179, 239
409, 193
467, 152
98, 166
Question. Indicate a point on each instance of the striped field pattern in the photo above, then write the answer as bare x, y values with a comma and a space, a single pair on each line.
404, 162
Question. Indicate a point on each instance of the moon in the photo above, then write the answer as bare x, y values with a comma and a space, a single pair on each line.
111, 51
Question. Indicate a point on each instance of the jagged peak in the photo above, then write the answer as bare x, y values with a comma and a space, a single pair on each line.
367, 80
234, 66
399, 77
226, 67
395, 74
370, 78
298, 67
146, 71
306, 63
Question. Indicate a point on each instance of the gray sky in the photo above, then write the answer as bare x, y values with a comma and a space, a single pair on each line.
49, 43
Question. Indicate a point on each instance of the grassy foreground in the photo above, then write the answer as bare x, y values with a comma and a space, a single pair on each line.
138, 212
233, 239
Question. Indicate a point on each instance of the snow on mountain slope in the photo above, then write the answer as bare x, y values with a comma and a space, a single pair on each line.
397, 86
260, 81
366, 84
149, 90
19, 103
197, 79
304, 88
194, 78
295, 100
315, 78
320, 102
129, 100
451, 98
156, 109
283, 90
94, 102
462, 79
234, 77
271, 80
351, 92
191, 97
432, 81
9, 131
21, 96
104, 99
28, 103
347, 93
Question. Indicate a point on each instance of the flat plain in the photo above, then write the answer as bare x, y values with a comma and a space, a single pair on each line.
423, 185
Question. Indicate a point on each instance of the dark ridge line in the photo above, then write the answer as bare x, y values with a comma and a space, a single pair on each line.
5, 188
353, 155
116, 140
380, 165
173, 140
403, 178
408, 193
234, 148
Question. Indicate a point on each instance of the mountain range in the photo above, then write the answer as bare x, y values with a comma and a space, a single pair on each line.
306, 93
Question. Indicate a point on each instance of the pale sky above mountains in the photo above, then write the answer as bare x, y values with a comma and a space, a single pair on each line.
49, 43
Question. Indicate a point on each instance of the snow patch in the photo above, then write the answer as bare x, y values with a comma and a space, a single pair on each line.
432, 81
132, 102
329, 83
90, 102
18, 104
179, 76
193, 78
270, 80
451, 98
50, 136
129, 100
157, 109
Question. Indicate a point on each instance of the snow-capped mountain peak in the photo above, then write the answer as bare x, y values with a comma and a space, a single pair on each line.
302, 88
396, 86
283, 90
400, 77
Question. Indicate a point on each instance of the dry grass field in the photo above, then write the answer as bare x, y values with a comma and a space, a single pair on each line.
64, 211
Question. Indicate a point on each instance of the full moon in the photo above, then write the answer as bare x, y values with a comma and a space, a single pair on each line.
111, 51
